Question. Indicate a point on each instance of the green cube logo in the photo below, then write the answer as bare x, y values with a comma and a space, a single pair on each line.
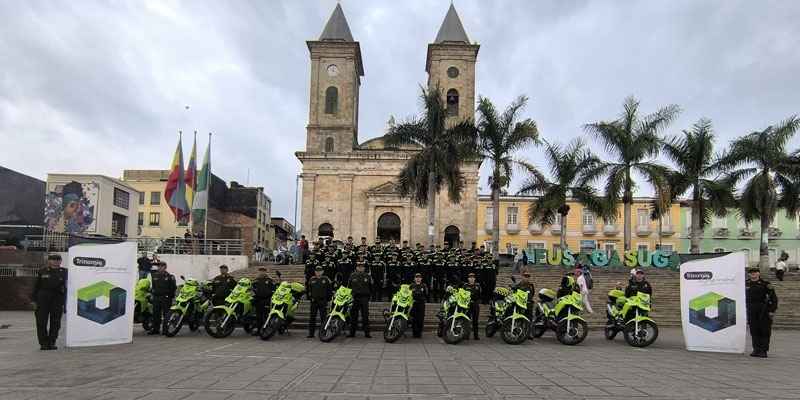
101, 302
712, 312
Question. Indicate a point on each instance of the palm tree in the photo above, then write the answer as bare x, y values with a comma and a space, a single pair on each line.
499, 136
692, 154
572, 168
633, 140
771, 175
444, 150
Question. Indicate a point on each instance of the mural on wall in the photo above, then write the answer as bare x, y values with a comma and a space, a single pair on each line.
70, 208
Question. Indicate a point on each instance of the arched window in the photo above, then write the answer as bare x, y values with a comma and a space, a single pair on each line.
326, 229
329, 145
452, 102
332, 100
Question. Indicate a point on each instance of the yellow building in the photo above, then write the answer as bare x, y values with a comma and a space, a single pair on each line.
585, 231
155, 219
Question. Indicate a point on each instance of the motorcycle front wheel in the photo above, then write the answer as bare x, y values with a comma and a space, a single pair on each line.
271, 328
516, 335
394, 330
645, 336
609, 331
454, 332
216, 324
332, 331
578, 329
172, 323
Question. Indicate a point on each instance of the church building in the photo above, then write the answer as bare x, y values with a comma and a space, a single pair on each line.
349, 188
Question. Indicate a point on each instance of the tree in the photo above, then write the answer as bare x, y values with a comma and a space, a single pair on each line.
634, 142
696, 172
573, 170
771, 176
444, 149
499, 137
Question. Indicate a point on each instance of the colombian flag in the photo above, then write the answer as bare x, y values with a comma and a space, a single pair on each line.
191, 178
175, 193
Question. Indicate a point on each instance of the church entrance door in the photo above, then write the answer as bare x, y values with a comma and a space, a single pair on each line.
451, 235
389, 227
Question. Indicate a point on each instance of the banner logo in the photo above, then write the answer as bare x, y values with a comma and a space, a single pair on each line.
704, 275
88, 262
711, 311
113, 298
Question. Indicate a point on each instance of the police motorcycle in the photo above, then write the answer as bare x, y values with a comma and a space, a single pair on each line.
629, 315
507, 314
142, 305
561, 317
398, 315
339, 316
284, 304
238, 308
454, 324
192, 301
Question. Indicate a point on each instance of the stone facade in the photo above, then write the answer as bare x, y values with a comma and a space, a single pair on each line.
350, 186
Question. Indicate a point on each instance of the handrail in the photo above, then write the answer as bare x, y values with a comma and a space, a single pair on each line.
210, 246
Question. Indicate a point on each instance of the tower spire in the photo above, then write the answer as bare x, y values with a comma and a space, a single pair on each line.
451, 31
337, 28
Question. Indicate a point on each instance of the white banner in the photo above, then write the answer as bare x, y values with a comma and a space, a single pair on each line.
713, 304
100, 294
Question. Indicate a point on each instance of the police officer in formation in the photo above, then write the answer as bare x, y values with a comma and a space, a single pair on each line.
49, 296
419, 292
376, 269
408, 269
263, 289
320, 291
474, 290
329, 266
311, 265
223, 286
440, 275
345, 265
361, 285
761, 306
392, 275
164, 287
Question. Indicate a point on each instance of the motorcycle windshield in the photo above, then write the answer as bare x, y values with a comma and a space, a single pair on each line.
343, 295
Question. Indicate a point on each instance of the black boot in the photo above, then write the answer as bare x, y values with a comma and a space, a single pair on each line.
754, 353
475, 335
54, 347
367, 335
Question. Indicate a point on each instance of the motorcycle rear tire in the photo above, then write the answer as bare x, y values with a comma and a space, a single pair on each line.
491, 328
538, 328
248, 324
391, 336
609, 331
459, 331
333, 330
271, 329
173, 322
521, 328
147, 321
632, 338
217, 316
582, 329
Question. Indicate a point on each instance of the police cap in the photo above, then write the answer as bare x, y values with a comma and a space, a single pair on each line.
753, 269
418, 275
318, 268
54, 256
471, 275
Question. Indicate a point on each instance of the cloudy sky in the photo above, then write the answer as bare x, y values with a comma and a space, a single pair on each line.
101, 86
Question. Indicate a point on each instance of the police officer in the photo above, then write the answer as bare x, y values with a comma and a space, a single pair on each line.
408, 269
263, 289
377, 248
345, 266
392, 275
453, 269
361, 285
568, 285
311, 265
527, 286
164, 288
466, 266
424, 266
440, 274
474, 290
490, 276
329, 266
376, 269
320, 291
761, 306
49, 296
419, 292
638, 285
223, 285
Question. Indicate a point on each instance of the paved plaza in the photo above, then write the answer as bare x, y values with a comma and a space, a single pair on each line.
196, 366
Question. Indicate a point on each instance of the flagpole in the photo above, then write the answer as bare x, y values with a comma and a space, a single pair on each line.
175, 214
208, 186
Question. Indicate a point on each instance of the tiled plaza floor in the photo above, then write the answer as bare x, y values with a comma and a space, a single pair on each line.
196, 366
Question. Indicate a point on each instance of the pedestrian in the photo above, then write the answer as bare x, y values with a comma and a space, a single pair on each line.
638, 285
517, 263
263, 289
303, 248
584, 290
144, 265
187, 240
780, 269
320, 291
474, 290
527, 286
223, 285
761, 306
258, 252
361, 285
49, 296
419, 292
524, 261
164, 287
633, 275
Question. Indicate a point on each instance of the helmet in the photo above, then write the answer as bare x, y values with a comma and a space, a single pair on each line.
244, 282
208, 285
191, 282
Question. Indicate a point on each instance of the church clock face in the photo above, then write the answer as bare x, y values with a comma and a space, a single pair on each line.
452, 72
332, 70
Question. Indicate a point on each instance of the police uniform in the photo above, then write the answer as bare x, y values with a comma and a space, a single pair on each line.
345, 267
311, 265
440, 276
761, 300
490, 277
329, 267
419, 292
424, 266
392, 277
320, 291
361, 285
263, 289
49, 293
223, 285
408, 269
376, 269
164, 287
636, 287
474, 290
527, 287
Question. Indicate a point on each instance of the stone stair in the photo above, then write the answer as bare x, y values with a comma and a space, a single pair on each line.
665, 282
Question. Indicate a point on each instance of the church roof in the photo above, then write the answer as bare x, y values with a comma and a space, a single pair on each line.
451, 30
337, 28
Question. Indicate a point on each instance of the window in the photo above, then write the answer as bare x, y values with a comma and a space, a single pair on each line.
588, 217
452, 102
746, 252
155, 219
512, 215
718, 222
489, 245
743, 224
141, 198
609, 247
668, 247
121, 198
332, 100
557, 222
141, 218
329, 145
512, 248
642, 246
155, 198
535, 245
719, 249
489, 216
643, 217
666, 218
